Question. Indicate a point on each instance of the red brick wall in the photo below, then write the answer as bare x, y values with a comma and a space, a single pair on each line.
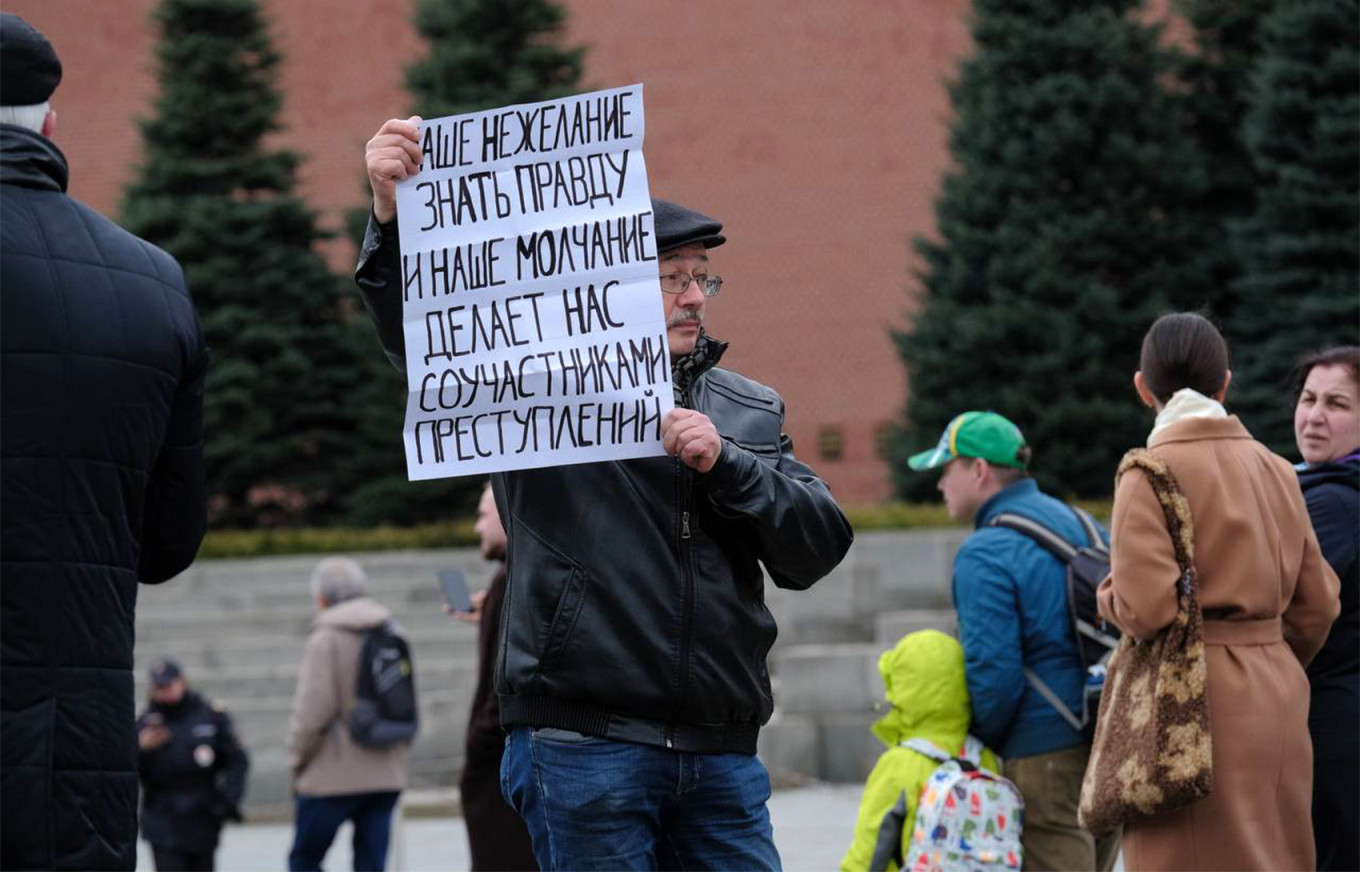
814, 131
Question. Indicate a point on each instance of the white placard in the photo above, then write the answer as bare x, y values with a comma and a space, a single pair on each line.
535, 334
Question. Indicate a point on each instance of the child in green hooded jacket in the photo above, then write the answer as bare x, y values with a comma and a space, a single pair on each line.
929, 698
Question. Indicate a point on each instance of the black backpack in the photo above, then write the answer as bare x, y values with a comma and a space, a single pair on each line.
1087, 565
385, 711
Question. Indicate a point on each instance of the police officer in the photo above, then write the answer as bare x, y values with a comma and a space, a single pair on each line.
193, 772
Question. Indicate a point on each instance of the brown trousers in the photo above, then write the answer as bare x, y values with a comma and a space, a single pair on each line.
1051, 787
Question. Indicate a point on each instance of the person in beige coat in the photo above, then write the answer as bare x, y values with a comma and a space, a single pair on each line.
1268, 599
334, 778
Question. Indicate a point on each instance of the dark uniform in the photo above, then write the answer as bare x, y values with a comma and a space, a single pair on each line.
191, 784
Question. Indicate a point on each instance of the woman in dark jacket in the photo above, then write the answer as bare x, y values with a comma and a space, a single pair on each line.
1327, 427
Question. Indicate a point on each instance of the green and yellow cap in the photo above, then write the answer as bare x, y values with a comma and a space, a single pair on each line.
984, 435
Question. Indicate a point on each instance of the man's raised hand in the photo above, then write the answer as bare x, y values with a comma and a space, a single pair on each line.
392, 155
691, 436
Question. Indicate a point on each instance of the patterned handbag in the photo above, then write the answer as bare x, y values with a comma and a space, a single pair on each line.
1152, 751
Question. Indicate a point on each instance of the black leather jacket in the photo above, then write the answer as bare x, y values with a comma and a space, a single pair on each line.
635, 606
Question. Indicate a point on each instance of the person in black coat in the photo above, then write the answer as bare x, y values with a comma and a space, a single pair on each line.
193, 772
1327, 428
497, 836
101, 482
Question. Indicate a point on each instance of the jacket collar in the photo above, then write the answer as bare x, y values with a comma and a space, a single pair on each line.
1345, 471
687, 369
1001, 499
1195, 429
30, 160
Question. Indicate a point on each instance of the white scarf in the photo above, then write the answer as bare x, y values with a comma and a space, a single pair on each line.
1186, 403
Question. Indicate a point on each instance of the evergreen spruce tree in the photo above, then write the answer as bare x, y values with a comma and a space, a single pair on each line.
278, 413
482, 54
1214, 83
1064, 229
489, 53
1301, 289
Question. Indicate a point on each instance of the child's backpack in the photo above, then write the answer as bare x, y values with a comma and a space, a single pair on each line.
385, 711
967, 818
1086, 566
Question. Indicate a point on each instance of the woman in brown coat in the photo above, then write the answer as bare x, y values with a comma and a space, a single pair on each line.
1268, 599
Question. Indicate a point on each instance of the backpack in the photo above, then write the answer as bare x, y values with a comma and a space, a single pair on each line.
385, 711
1087, 566
967, 818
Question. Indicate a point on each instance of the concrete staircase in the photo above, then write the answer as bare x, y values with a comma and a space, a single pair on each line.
238, 629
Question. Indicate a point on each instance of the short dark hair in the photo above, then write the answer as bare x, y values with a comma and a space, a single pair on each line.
1183, 350
1338, 355
1004, 475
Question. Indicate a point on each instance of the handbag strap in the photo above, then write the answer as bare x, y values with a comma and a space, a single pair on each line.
1175, 507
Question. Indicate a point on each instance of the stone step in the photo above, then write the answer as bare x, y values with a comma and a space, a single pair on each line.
280, 579
269, 782
890, 627
849, 749
293, 622
453, 638
292, 594
790, 748
266, 718
280, 679
827, 746
828, 678
908, 569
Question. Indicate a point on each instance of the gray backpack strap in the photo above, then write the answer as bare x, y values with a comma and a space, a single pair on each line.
1047, 693
1051, 542
928, 748
1088, 524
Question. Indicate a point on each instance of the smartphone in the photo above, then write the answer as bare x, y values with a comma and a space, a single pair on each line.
455, 590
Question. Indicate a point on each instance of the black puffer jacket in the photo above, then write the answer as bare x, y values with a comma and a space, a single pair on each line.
101, 484
635, 605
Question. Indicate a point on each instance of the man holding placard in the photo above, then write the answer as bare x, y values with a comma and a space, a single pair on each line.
640, 500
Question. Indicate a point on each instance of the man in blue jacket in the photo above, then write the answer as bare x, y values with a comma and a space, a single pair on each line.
1011, 598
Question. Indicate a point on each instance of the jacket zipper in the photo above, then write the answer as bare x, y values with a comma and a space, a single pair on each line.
686, 549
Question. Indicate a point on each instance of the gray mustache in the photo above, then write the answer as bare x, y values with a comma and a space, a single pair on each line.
685, 316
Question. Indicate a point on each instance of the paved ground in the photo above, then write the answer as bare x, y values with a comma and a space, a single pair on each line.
812, 827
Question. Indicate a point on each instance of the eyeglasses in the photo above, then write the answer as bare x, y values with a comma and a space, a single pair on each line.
678, 283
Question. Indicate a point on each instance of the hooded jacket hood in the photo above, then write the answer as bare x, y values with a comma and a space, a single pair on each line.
358, 614
926, 688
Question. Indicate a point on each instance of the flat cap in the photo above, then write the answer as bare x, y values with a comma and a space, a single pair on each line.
677, 226
29, 68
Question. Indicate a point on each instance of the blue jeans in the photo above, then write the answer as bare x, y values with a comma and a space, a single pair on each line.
318, 818
596, 804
